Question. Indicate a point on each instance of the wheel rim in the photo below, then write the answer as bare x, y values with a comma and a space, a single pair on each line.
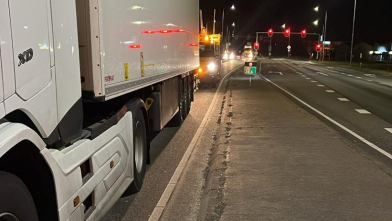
139, 146
8, 217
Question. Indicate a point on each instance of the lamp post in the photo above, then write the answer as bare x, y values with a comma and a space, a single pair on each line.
223, 18
352, 35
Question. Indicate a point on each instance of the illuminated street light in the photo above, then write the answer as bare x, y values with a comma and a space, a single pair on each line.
232, 7
316, 9
284, 26
233, 25
316, 22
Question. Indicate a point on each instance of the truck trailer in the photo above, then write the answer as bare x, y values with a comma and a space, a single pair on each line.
84, 87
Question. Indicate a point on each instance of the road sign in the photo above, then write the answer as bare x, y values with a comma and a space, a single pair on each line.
250, 68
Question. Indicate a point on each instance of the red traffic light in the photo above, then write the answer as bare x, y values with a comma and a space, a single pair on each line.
318, 47
287, 32
270, 32
303, 33
256, 46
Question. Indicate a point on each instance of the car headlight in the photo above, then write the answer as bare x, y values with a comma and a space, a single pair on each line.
231, 56
211, 66
225, 56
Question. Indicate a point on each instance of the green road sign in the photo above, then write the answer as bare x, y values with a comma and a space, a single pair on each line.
250, 68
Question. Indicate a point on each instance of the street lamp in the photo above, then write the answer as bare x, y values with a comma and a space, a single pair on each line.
284, 26
233, 25
316, 22
223, 18
316, 9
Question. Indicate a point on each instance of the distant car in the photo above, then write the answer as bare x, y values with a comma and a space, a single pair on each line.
239, 57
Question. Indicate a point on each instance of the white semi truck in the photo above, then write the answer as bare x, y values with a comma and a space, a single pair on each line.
84, 86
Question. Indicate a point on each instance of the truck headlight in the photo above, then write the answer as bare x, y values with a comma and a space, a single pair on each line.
211, 66
250, 55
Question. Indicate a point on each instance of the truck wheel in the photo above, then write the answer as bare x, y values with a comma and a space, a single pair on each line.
186, 100
178, 119
190, 91
139, 153
16, 203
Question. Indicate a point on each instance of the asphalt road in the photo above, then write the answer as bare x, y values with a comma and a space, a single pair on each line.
358, 101
167, 150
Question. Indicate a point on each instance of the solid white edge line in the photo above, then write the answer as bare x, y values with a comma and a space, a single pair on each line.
372, 145
165, 197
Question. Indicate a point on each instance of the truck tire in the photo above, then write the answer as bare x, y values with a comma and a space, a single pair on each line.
16, 202
190, 91
178, 119
186, 99
139, 153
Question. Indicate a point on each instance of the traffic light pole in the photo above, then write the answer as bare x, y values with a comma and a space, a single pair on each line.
292, 33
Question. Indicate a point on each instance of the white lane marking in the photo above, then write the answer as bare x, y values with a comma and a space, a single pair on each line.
350, 75
372, 145
362, 111
389, 130
313, 81
160, 206
308, 78
320, 85
304, 76
322, 74
272, 72
370, 80
359, 77
343, 99
343, 73
371, 75
330, 91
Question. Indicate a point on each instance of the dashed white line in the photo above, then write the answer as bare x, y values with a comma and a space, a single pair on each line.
308, 78
330, 91
303, 76
343, 73
343, 99
313, 81
389, 130
359, 77
370, 80
370, 144
362, 111
320, 85
322, 74
349, 75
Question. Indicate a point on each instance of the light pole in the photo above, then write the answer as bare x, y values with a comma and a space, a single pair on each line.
352, 35
223, 18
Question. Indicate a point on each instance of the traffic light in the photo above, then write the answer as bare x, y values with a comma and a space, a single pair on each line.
318, 47
256, 45
303, 33
270, 32
287, 32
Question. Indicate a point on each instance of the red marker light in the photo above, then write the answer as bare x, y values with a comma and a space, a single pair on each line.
134, 46
181, 30
148, 32
193, 45
165, 31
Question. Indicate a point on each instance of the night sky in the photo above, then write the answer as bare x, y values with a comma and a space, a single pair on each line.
374, 17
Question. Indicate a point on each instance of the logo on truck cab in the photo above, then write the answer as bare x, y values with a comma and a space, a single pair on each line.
26, 56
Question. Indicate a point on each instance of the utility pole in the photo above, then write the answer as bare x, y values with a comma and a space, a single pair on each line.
325, 33
352, 35
213, 31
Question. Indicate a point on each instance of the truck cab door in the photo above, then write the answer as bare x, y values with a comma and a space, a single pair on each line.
31, 43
